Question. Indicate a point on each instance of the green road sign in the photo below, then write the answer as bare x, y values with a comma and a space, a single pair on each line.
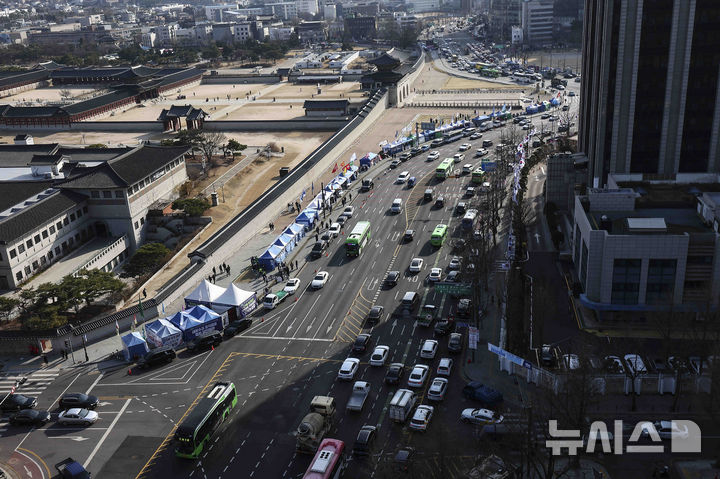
453, 288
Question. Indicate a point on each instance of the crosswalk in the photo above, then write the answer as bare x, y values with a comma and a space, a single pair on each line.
37, 381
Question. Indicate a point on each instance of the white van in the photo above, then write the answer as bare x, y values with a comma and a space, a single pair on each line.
401, 404
396, 206
403, 177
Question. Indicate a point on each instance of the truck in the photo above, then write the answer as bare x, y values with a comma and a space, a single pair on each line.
315, 425
360, 392
367, 184
273, 299
71, 469
426, 315
402, 404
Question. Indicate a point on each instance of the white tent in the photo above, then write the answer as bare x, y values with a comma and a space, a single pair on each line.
205, 293
243, 301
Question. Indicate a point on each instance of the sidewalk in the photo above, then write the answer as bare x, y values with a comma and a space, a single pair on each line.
588, 469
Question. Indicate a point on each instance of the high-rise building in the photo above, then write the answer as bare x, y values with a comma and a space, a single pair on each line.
537, 21
503, 14
650, 95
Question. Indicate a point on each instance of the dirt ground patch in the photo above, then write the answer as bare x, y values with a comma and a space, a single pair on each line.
337, 90
221, 91
455, 83
265, 111
40, 95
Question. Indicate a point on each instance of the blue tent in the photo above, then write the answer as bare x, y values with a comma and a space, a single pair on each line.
134, 346
307, 217
185, 323
161, 332
285, 241
368, 159
206, 315
555, 101
531, 109
295, 229
270, 258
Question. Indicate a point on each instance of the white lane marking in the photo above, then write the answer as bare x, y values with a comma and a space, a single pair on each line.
102, 439
93, 384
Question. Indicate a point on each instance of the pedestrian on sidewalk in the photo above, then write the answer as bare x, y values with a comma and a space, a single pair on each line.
213, 270
45, 359
228, 269
265, 278
63, 353
317, 236
296, 264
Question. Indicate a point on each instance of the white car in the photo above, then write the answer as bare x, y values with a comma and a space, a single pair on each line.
421, 418
348, 369
348, 211
416, 265
429, 349
320, 279
434, 155
418, 375
481, 152
635, 364
335, 229
292, 285
437, 389
465, 147
480, 416
379, 356
458, 157
445, 367
665, 429
403, 177
435, 275
77, 417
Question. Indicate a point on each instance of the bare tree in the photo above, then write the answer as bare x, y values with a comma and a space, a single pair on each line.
209, 143
65, 93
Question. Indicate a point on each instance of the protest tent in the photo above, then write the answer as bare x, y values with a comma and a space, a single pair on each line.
239, 303
368, 159
162, 332
134, 346
204, 293
285, 241
270, 258
296, 230
307, 217
206, 315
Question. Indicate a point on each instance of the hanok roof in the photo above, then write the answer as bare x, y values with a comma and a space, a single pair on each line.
15, 192
127, 169
176, 111
30, 218
53, 159
326, 104
384, 60
18, 156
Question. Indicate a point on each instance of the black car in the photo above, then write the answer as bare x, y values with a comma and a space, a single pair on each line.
17, 402
453, 277
394, 373
206, 341
392, 278
375, 314
455, 342
443, 327
464, 307
415, 151
409, 235
440, 202
403, 459
362, 342
31, 417
156, 357
79, 400
318, 248
365, 439
236, 327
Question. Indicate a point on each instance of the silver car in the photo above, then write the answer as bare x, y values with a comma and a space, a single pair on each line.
77, 417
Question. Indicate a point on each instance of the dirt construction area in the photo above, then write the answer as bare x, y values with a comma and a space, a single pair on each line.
310, 91
41, 96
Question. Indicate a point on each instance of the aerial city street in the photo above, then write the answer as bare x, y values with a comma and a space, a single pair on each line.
310, 240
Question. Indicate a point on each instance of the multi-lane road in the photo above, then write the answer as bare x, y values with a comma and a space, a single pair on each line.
289, 355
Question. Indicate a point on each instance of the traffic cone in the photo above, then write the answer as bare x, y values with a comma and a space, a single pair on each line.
262, 320
296, 299
212, 347
129, 372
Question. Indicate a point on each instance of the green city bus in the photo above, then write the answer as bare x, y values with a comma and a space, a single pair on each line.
438, 235
478, 175
490, 72
444, 169
357, 239
197, 429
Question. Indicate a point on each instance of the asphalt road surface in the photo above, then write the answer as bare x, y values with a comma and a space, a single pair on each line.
289, 355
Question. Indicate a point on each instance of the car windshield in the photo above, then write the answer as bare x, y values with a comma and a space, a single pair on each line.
319, 277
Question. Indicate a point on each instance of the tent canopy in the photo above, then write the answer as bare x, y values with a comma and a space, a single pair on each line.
203, 313
271, 253
296, 230
234, 296
161, 328
284, 239
134, 346
206, 292
183, 320
133, 339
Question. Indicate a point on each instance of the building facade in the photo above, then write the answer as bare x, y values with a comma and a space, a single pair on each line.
650, 94
537, 22
69, 196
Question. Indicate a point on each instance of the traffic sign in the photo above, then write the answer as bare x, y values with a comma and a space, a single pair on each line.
473, 337
453, 288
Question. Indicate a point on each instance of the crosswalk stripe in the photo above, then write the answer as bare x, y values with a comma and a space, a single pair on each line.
35, 383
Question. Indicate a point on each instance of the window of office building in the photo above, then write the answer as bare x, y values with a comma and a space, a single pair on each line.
107, 194
660, 281
21, 248
44, 234
27, 270
52, 230
95, 194
57, 250
66, 221
626, 281
72, 216
18, 275
79, 213
29, 243
12, 253
37, 239
583, 264
59, 225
